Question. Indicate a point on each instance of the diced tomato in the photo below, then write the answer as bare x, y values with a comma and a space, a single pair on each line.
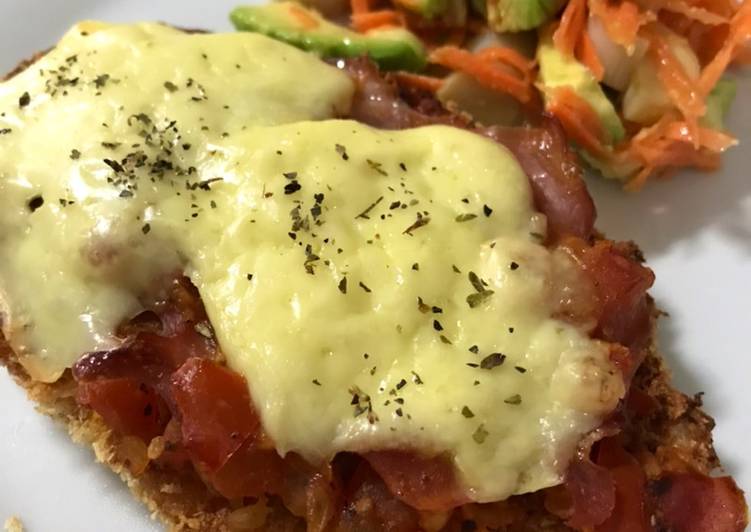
215, 411
690, 502
320, 503
310, 492
428, 484
630, 511
123, 383
369, 506
621, 284
157, 342
586, 498
126, 406
605, 494
148, 357
249, 472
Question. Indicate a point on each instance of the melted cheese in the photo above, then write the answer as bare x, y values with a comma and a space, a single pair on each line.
376, 289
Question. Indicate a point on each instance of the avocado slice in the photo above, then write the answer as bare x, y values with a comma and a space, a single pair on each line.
559, 70
520, 15
718, 104
391, 49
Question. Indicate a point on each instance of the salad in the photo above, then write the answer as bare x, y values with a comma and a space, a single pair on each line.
637, 85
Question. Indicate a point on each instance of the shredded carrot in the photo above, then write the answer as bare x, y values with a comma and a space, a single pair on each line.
363, 22
705, 40
692, 12
639, 180
683, 92
620, 20
672, 155
303, 17
670, 144
571, 37
578, 119
417, 81
510, 57
739, 34
586, 53
573, 22
713, 140
725, 8
359, 6
493, 69
743, 56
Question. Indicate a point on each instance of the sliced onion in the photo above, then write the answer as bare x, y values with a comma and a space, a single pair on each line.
645, 99
524, 42
618, 63
460, 92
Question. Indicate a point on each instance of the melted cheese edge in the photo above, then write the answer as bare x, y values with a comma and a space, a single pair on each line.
235, 179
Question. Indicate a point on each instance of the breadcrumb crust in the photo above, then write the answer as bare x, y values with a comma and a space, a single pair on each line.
678, 434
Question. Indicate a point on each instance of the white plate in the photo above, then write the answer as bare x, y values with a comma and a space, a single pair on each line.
695, 231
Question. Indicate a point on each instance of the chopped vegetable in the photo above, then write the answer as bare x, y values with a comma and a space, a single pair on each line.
391, 47
500, 69
635, 84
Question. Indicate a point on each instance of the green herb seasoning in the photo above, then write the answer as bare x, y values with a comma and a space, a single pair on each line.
292, 187
378, 167
364, 214
341, 150
513, 400
480, 434
421, 221
493, 360
481, 292
364, 287
35, 202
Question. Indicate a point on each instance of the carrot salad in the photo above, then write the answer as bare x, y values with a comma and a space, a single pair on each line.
637, 85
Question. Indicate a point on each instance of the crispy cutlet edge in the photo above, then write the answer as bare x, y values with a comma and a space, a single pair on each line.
679, 428
179, 498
